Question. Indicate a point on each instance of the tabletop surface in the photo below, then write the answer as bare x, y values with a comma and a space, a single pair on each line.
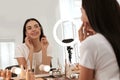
46, 77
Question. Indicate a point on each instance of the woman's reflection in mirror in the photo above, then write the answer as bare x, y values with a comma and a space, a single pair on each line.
35, 47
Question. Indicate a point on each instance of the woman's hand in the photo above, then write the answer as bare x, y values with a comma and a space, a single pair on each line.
44, 43
28, 42
76, 68
85, 31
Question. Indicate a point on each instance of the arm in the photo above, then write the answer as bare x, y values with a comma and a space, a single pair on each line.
22, 61
31, 50
84, 32
46, 59
44, 44
86, 74
19, 53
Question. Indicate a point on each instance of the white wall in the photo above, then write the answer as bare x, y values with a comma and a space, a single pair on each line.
13, 14
118, 1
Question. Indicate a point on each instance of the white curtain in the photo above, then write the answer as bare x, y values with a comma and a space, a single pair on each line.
66, 8
7, 54
70, 8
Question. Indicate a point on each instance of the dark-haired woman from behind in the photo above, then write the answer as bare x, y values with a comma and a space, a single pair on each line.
100, 41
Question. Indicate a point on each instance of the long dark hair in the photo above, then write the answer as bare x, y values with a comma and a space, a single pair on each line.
104, 17
24, 28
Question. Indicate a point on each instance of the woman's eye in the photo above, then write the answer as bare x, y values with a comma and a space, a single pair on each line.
28, 28
36, 26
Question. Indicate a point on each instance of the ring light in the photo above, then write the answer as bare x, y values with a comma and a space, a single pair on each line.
55, 35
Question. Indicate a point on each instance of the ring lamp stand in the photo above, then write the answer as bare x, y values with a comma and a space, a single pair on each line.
65, 42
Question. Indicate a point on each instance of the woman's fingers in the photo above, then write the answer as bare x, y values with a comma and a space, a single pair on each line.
44, 40
81, 34
85, 31
29, 43
91, 32
44, 43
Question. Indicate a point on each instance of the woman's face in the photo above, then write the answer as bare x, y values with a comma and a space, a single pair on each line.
33, 29
86, 23
84, 17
